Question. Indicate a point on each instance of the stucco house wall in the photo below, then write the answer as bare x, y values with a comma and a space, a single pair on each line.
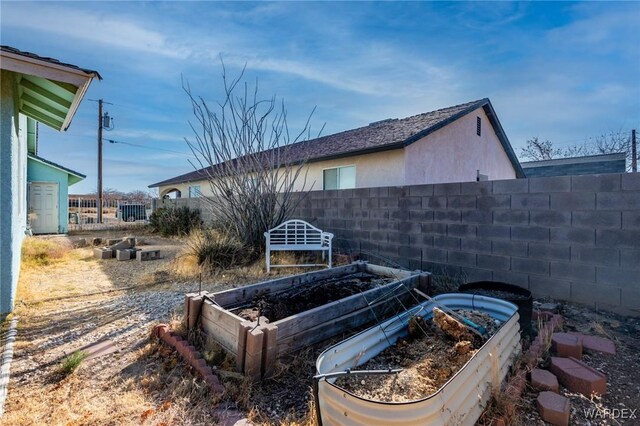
13, 187
377, 169
430, 159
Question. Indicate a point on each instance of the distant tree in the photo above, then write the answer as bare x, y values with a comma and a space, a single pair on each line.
606, 143
537, 150
137, 196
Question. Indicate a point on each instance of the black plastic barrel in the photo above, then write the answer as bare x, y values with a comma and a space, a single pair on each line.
521, 297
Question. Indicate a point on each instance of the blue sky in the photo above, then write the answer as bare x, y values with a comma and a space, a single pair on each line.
560, 71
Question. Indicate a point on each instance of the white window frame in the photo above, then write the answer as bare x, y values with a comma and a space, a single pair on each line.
338, 168
197, 192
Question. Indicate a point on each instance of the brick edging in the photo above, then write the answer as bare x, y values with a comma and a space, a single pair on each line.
189, 354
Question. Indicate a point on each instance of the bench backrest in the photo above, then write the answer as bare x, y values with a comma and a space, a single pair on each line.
297, 232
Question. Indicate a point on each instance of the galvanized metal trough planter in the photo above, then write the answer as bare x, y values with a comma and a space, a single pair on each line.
257, 344
459, 401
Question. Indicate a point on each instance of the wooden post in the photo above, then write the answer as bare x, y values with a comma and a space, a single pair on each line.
253, 354
269, 350
192, 308
243, 330
424, 282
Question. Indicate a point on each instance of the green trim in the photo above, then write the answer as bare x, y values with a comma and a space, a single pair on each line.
41, 91
32, 136
36, 115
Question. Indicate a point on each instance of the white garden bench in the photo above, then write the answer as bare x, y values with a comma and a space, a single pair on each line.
297, 235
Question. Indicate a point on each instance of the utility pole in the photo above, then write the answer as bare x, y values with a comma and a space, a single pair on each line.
99, 204
634, 152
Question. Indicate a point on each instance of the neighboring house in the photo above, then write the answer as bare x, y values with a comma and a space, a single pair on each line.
48, 200
587, 165
457, 144
31, 88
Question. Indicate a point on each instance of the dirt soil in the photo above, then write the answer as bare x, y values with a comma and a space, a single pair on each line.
282, 305
623, 374
428, 357
146, 383
499, 294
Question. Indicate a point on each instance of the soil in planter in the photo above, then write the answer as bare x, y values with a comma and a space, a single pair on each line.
428, 359
308, 296
498, 294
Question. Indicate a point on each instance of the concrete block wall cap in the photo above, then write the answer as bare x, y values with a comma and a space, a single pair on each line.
554, 408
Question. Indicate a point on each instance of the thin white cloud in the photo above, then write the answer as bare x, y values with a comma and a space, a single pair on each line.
93, 28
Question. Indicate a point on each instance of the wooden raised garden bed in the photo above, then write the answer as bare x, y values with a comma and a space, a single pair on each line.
259, 322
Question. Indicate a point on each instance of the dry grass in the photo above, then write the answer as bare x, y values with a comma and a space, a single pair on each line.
500, 406
545, 336
37, 251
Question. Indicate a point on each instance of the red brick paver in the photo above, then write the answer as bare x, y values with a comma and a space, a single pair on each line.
596, 344
554, 408
578, 376
566, 345
544, 380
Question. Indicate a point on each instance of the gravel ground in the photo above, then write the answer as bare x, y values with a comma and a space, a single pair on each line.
136, 384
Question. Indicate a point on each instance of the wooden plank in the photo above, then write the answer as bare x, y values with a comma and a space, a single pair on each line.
387, 272
337, 326
321, 314
243, 328
195, 307
247, 293
220, 316
269, 350
227, 339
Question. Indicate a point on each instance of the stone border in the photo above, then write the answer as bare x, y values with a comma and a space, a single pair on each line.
189, 354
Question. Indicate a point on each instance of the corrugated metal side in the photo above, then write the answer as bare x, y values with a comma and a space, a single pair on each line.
459, 402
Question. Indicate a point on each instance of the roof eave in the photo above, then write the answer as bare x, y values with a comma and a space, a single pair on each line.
502, 136
56, 166
56, 72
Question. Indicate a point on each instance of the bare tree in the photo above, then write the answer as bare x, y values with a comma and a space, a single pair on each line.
245, 152
536, 150
607, 143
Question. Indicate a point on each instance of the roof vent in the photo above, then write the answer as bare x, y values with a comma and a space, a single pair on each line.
388, 120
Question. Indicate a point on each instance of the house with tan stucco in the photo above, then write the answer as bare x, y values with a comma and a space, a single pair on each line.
461, 143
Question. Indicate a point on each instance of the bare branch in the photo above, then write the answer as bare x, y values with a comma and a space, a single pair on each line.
243, 150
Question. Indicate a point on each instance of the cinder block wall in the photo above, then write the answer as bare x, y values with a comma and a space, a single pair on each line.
573, 238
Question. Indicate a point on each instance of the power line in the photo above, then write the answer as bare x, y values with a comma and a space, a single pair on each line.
592, 138
147, 147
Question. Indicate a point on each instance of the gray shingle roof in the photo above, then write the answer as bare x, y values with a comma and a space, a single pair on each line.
585, 165
379, 136
47, 59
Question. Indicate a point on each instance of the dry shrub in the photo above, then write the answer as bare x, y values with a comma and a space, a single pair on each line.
212, 250
500, 406
42, 252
